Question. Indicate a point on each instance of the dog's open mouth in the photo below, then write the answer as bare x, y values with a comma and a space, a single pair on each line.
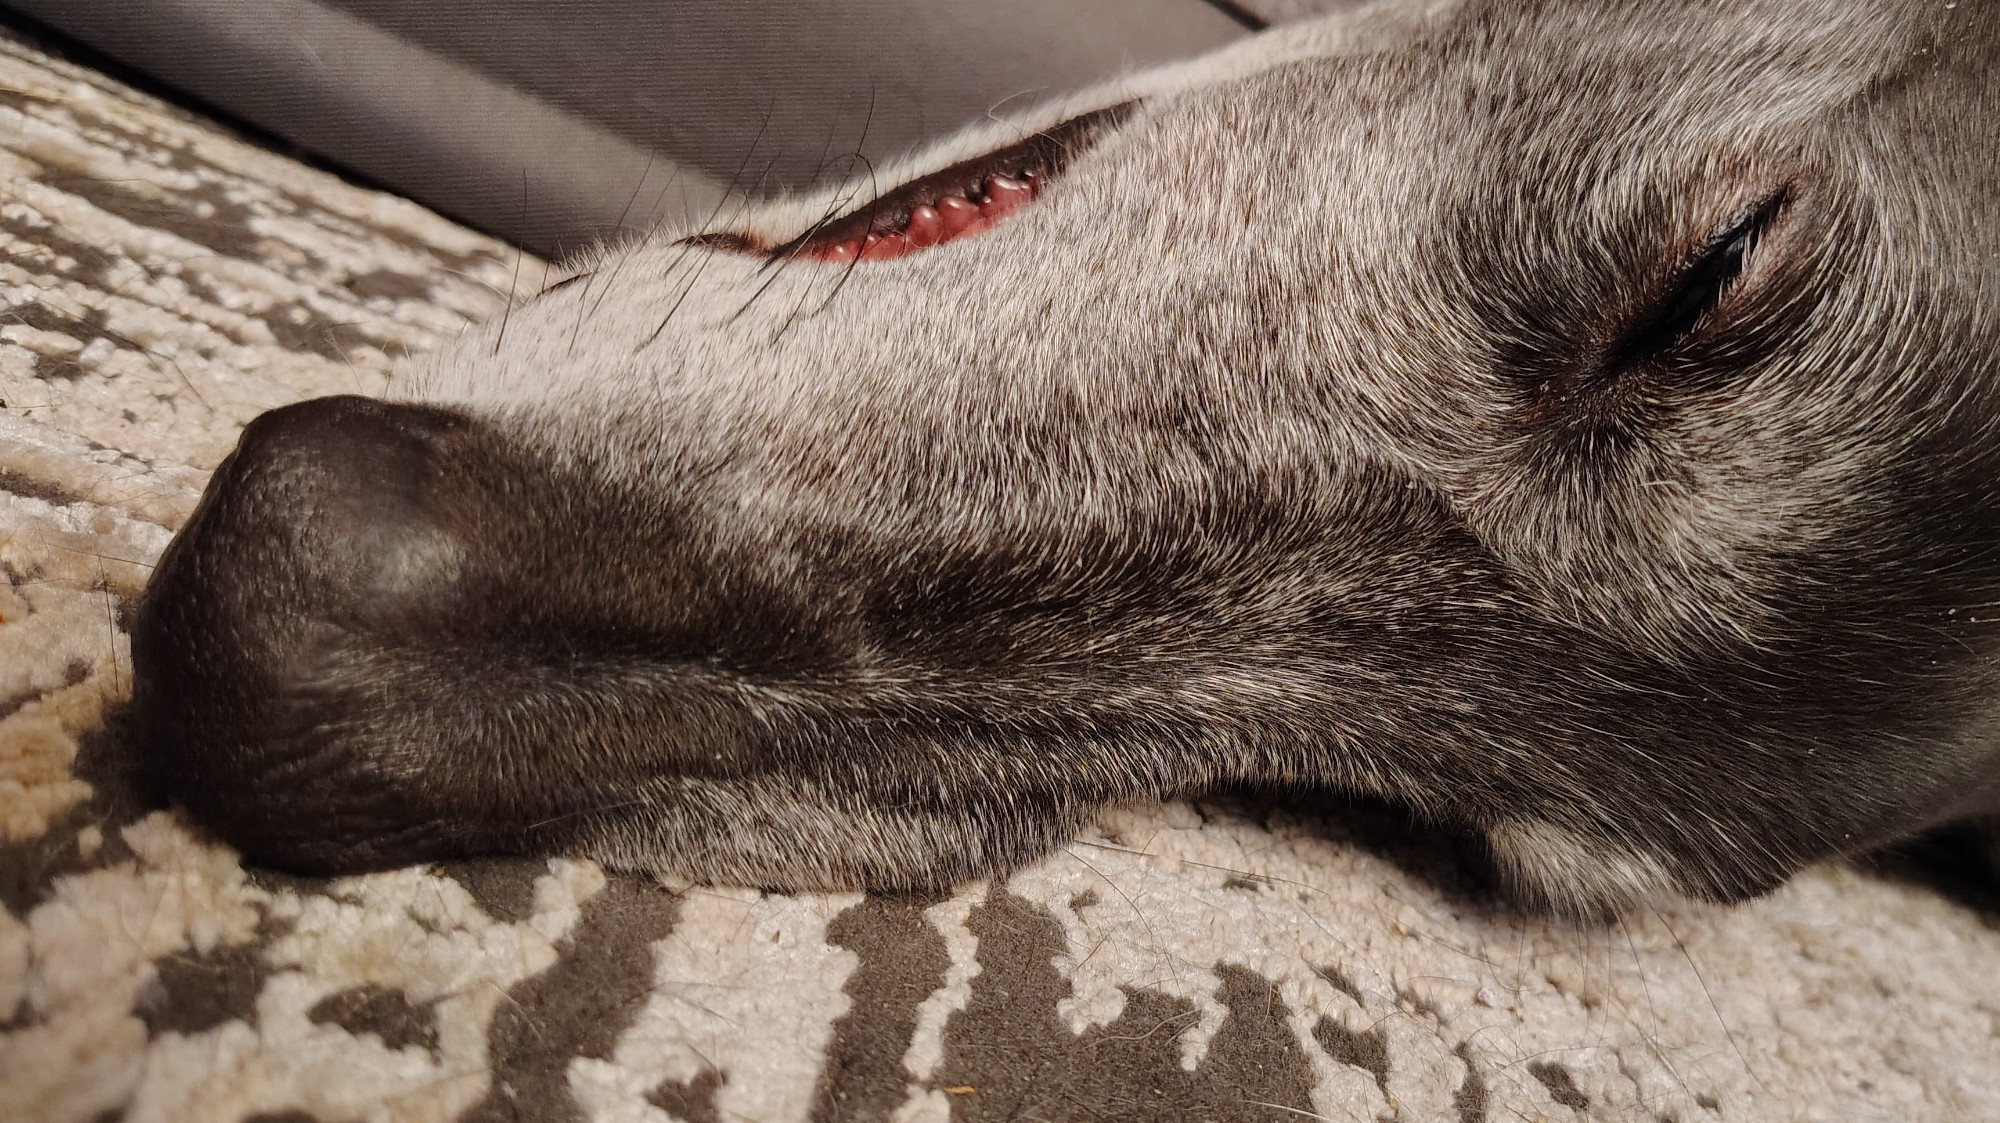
957, 202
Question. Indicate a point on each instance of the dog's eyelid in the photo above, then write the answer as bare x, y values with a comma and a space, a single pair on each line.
1704, 282
1746, 228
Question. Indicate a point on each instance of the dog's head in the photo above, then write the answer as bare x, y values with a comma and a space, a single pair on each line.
1572, 419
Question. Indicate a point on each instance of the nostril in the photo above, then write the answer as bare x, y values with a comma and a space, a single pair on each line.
319, 528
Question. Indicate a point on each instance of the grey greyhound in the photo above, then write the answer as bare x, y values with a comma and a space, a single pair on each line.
1572, 421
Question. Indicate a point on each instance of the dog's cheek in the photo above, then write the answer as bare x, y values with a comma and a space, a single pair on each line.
1557, 870
790, 834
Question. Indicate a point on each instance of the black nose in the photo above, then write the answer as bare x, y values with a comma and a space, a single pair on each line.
251, 699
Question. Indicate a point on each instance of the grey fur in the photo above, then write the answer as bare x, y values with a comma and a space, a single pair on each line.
1329, 423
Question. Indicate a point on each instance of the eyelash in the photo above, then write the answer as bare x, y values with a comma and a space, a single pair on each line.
1700, 288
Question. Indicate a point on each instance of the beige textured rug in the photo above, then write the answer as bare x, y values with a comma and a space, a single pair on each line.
162, 282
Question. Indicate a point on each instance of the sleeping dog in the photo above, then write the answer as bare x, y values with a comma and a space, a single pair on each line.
1573, 421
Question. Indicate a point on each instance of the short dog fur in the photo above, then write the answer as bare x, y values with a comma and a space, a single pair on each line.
1573, 421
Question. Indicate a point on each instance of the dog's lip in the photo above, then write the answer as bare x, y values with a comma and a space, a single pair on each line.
959, 201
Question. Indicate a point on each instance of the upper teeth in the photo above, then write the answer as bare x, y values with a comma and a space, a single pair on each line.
951, 217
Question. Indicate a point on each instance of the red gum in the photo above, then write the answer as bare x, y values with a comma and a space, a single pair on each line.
1003, 194
950, 218
958, 212
885, 247
926, 227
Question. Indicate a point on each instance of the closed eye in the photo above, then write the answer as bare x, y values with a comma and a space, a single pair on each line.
1702, 285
